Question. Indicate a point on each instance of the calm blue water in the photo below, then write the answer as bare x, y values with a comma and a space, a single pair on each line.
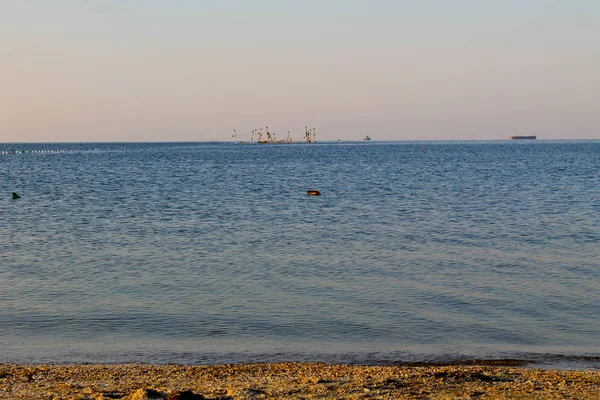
206, 253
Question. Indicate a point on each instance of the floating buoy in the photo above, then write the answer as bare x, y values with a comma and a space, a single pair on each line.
313, 193
15, 196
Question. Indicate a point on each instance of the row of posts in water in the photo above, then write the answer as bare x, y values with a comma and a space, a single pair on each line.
32, 151
270, 138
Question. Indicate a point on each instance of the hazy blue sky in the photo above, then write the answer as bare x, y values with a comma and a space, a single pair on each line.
148, 70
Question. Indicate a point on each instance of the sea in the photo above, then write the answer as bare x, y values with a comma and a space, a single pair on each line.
209, 253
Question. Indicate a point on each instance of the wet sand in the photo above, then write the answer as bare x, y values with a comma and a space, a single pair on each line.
293, 381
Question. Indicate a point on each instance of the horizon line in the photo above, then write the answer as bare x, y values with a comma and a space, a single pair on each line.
300, 142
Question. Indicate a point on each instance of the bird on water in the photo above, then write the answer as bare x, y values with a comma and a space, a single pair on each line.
313, 193
15, 196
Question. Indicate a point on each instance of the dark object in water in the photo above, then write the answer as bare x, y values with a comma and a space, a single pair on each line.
15, 196
313, 193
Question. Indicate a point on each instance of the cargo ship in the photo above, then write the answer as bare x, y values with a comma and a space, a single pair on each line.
517, 137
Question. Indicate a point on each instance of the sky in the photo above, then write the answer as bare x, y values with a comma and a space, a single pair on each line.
195, 70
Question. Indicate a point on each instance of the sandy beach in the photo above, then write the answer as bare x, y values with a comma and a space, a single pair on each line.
293, 381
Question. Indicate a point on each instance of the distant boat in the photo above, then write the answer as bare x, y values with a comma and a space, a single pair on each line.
517, 137
367, 138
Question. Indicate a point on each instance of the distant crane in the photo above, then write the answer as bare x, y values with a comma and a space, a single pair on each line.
309, 135
269, 137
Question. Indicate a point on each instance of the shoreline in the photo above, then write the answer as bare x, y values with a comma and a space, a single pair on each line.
291, 380
79, 356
